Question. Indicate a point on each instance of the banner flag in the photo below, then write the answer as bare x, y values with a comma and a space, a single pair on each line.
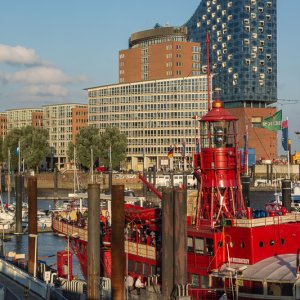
197, 146
273, 123
170, 152
285, 134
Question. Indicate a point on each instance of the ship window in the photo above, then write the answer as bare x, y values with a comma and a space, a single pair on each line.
274, 289
139, 268
209, 247
261, 244
130, 266
204, 281
190, 246
195, 279
252, 287
272, 243
199, 245
146, 269
242, 245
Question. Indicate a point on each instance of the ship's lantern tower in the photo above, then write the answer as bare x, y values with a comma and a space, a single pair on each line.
220, 188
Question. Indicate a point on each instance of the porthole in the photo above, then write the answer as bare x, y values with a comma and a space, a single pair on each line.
231, 244
242, 245
282, 241
261, 244
272, 243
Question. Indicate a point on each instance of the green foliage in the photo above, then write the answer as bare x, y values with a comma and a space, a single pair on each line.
34, 145
11, 143
33, 142
112, 137
87, 139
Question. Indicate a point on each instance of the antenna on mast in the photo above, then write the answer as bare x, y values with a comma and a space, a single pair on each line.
208, 70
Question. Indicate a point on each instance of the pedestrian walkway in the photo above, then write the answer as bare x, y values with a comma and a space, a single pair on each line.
18, 290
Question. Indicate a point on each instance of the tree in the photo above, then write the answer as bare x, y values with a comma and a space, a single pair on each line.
117, 141
33, 142
1, 152
34, 145
11, 143
88, 138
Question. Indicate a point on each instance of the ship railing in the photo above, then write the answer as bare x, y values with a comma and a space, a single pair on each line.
142, 250
263, 221
70, 230
76, 286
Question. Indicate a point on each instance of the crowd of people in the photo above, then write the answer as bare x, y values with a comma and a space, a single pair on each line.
142, 234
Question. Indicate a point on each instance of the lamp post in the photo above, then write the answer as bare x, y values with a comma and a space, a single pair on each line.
110, 171
19, 156
8, 178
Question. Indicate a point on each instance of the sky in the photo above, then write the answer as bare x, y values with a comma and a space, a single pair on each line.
50, 51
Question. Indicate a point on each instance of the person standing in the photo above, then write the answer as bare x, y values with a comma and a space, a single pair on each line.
139, 284
129, 283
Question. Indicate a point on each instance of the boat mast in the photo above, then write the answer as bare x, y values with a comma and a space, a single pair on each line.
208, 70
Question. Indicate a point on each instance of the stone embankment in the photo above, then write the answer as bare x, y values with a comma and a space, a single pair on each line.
67, 181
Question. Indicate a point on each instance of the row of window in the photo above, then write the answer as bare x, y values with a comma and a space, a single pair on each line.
204, 246
144, 111
157, 87
142, 268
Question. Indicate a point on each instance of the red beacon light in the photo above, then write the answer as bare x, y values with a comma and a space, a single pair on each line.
220, 191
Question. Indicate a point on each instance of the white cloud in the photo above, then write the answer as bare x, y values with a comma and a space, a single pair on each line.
52, 90
18, 55
38, 75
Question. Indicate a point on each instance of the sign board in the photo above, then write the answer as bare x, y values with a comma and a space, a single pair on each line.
164, 162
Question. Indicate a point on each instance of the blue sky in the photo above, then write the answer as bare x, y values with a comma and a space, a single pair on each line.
51, 50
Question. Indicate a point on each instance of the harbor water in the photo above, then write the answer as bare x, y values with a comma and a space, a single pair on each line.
48, 244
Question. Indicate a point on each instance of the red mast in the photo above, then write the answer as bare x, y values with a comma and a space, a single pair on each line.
208, 70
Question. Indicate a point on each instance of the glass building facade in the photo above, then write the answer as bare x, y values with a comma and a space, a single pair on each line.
243, 48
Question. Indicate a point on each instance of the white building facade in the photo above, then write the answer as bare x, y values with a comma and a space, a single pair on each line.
154, 115
18, 118
58, 120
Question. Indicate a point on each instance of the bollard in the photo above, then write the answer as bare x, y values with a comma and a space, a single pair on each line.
32, 225
180, 237
93, 278
167, 243
117, 243
245, 179
286, 194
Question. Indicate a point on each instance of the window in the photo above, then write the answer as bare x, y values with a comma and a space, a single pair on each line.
190, 246
195, 279
209, 247
199, 245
